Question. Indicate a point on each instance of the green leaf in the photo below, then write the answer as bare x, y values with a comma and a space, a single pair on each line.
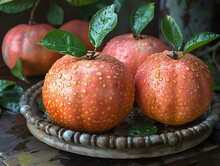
81, 2
41, 105
141, 129
10, 96
64, 42
215, 74
4, 84
216, 85
101, 24
55, 14
4, 1
141, 16
118, 4
17, 6
198, 40
172, 32
17, 70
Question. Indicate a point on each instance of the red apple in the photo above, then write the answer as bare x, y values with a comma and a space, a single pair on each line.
88, 95
131, 51
21, 42
173, 91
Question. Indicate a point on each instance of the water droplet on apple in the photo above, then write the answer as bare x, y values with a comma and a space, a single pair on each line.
157, 73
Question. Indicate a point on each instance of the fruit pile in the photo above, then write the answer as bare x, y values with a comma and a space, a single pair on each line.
95, 91
20, 42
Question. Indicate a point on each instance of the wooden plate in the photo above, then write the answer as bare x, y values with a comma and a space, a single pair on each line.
116, 143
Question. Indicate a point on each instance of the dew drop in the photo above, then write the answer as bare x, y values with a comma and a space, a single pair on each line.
201, 67
60, 75
88, 65
69, 84
75, 72
66, 66
54, 83
184, 77
69, 78
99, 73
158, 66
69, 49
167, 80
74, 83
157, 73
75, 66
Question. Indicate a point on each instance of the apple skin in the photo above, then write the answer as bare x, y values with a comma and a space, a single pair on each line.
173, 91
21, 42
88, 95
131, 51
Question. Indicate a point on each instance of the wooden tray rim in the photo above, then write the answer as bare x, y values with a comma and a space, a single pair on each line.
111, 146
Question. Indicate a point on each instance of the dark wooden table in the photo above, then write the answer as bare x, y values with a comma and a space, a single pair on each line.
19, 148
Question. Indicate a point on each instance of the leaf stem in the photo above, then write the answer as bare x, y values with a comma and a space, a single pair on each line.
31, 21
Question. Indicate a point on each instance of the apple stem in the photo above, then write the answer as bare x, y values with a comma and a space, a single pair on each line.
31, 21
174, 56
92, 54
137, 36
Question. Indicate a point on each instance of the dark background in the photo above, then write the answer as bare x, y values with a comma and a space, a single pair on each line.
8, 21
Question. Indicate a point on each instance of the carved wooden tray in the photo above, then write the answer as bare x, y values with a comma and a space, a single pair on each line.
116, 143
